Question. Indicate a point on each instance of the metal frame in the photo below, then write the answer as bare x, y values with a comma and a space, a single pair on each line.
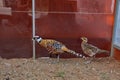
33, 26
115, 25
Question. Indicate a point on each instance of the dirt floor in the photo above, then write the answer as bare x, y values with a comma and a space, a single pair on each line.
66, 69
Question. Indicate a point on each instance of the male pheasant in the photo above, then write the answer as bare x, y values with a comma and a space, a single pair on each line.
55, 47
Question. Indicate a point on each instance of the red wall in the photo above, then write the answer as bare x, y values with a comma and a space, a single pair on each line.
117, 54
66, 21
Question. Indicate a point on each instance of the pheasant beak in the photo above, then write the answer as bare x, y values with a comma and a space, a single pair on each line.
82, 38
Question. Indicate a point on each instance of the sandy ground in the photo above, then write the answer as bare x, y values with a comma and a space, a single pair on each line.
66, 69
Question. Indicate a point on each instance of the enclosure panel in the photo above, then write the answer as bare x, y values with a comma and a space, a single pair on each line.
68, 20
15, 35
62, 20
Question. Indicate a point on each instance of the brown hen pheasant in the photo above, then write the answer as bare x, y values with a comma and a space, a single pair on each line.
55, 47
89, 49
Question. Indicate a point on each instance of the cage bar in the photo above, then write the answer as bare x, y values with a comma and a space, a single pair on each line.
33, 26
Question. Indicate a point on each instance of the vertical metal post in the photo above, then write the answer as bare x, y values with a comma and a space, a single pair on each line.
33, 26
115, 26
112, 6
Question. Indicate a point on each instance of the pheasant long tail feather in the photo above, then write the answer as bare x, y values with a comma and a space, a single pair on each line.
77, 54
104, 51
72, 52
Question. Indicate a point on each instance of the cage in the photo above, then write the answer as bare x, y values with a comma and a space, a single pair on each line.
62, 20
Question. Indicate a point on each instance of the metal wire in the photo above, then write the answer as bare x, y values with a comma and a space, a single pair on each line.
66, 12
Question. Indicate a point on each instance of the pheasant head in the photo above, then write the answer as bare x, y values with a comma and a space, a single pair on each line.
84, 39
37, 38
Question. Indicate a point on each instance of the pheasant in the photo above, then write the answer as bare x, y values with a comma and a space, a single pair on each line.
55, 47
90, 49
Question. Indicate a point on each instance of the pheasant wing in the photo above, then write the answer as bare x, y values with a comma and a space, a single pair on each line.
54, 46
92, 48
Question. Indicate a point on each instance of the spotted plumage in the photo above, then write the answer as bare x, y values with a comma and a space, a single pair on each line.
55, 47
90, 49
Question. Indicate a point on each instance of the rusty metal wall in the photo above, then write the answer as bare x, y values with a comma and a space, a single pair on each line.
16, 30
63, 20
116, 54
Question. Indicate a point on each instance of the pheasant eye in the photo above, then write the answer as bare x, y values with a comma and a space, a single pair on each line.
38, 37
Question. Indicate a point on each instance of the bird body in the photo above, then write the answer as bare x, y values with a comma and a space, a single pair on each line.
90, 49
52, 46
55, 47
